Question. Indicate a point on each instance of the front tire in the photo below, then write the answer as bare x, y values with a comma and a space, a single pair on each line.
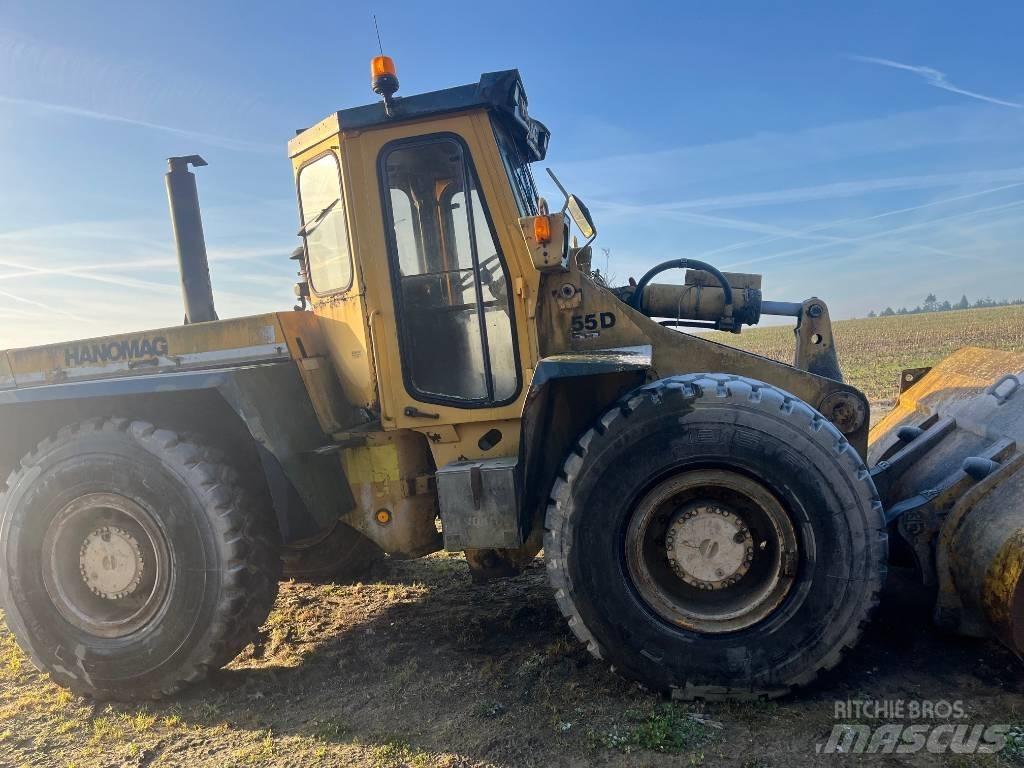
133, 560
714, 536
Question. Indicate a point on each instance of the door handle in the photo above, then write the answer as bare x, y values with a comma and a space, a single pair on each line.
415, 413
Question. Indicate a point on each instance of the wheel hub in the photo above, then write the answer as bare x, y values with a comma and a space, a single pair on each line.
106, 564
111, 562
709, 547
711, 550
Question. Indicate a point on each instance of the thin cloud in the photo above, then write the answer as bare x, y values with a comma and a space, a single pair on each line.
224, 142
937, 79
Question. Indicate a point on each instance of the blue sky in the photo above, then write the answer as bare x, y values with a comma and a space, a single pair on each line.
868, 153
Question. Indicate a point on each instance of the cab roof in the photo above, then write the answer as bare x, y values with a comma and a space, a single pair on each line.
502, 93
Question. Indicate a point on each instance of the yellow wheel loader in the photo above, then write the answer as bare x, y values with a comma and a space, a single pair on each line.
457, 375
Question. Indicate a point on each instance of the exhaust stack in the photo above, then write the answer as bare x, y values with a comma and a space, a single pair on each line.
187, 223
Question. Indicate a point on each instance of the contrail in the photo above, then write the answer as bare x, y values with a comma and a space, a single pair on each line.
723, 222
235, 145
936, 78
840, 189
873, 235
40, 305
841, 222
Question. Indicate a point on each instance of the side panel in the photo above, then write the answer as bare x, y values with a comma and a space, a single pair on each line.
202, 345
308, 346
392, 483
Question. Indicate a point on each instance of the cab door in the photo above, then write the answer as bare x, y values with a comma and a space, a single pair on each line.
450, 281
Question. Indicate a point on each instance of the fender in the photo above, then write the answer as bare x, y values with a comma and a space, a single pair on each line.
308, 490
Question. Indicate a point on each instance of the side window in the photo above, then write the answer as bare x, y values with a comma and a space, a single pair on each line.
456, 333
323, 225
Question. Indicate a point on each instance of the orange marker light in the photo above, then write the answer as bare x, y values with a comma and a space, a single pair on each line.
542, 229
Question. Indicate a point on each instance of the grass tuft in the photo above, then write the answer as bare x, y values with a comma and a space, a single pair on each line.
665, 728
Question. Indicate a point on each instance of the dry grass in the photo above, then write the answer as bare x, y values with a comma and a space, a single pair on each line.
420, 667
872, 352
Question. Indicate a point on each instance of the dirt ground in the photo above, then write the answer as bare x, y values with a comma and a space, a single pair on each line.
417, 666
420, 667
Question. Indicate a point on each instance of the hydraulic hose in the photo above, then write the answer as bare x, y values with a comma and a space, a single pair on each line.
637, 299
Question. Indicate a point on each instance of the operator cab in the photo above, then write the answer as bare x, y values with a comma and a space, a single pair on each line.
441, 171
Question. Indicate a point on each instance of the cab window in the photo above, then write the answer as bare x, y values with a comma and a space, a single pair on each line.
518, 169
451, 287
323, 225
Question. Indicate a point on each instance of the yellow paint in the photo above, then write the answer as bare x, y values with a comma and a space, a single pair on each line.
359, 328
302, 333
466, 445
381, 476
168, 346
373, 464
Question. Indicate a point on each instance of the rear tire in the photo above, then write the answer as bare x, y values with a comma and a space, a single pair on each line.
133, 560
778, 590
341, 554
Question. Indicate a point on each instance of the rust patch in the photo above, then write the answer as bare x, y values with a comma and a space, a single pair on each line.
1003, 594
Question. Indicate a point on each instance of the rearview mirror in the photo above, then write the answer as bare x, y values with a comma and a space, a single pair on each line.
581, 216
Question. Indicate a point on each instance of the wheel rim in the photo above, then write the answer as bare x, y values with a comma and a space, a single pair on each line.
106, 564
711, 550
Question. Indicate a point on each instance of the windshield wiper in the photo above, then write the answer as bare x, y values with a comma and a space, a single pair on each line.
307, 229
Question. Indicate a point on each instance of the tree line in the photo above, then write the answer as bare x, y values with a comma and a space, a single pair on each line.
932, 304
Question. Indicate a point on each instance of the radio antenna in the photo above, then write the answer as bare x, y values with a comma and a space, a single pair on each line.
378, 34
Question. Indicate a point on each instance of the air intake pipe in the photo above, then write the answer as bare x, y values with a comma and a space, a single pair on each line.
187, 223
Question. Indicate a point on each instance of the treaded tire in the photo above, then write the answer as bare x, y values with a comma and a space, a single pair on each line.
222, 540
341, 555
694, 421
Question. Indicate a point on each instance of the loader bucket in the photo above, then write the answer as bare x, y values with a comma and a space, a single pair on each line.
949, 466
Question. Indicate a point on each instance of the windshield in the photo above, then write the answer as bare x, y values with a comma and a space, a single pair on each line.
518, 169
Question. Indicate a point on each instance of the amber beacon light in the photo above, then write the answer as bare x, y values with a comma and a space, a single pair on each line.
383, 77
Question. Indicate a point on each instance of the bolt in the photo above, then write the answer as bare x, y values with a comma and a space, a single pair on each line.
739, 537
815, 310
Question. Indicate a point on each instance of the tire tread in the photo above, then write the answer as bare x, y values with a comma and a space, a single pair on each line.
559, 521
